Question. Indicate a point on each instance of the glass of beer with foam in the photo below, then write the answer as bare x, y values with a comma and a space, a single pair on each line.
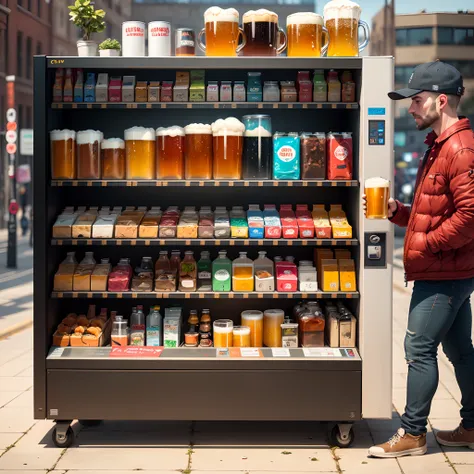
63, 154
140, 153
241, 336
223, 329
253, 319
377, 191
342, 19
198, 151
170, 153
305, 34
222, 32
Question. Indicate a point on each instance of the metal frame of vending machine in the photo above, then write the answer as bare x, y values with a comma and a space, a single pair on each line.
340, 388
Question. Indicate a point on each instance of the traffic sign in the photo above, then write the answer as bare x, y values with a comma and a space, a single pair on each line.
11, 148
11, 115
13, 207
11, 136
26, 141
11, 126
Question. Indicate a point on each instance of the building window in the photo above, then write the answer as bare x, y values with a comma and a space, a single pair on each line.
414, 36
39, 48
29, 56
39, 7
457, 36
19, 53
402, 74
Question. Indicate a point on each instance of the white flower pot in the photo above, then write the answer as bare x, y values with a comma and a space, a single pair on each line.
87, 48
109, 52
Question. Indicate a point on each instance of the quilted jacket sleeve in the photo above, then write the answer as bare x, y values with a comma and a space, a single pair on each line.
401, 215
458, 229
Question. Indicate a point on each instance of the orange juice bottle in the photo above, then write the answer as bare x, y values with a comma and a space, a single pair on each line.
242, 273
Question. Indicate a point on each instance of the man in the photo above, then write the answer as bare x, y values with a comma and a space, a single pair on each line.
438, 257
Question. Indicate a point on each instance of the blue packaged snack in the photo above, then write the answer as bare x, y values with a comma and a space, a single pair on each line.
286, 156
89, 88
254, 87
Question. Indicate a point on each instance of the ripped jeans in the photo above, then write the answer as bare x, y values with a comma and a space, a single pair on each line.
440, 313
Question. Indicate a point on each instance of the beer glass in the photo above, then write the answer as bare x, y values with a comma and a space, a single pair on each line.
63, 154
198, 151
227, 138
113, 158
272, 321
342, 19
170, 153
222, 32
223, 329
254, 320
140, 153
88, 154
377, 191
262, 33
258, 147
305, 35
241, 336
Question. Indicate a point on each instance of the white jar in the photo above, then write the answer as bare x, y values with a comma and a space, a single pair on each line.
159, 39
133, 38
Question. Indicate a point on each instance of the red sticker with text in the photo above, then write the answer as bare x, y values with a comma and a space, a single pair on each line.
134, 351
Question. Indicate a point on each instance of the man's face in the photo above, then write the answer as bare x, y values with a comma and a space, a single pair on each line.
424, 110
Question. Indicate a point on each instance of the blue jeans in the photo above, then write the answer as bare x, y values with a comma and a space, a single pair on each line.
440, 313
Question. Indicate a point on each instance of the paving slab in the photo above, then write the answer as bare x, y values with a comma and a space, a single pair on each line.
258, 459
7, 439
15, 420
7, 397
356, 460
16, 365
24, 400
444, 409
463, 469
15, 384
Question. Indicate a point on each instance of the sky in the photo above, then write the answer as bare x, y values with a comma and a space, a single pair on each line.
371, 7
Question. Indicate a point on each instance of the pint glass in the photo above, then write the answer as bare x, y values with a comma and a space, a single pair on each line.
254, 320
262, 33
88, 154
305, 35
63, 154
227, 137
170, 153
140, 153
377, 191
223, 329
342, 18
113, 158
222, 32
258, 147
241, 336
198, 151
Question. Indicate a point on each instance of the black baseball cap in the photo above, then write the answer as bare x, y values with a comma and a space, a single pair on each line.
431, 77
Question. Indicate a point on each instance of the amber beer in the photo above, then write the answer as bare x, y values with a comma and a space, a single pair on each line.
198, 151
227, 145
241, 336
253, 319
88, 154
63, 154
223, 329
377, 191
342, 19
222, 32
140, 153
113, 158
170, 153
305, 34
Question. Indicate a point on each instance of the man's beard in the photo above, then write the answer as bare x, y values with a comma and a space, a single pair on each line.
429, 119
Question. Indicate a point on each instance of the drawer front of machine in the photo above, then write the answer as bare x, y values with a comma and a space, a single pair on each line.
204, 395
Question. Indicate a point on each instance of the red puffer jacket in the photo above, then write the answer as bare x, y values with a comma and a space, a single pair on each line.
439, 242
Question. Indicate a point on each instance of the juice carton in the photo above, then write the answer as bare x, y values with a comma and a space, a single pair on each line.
320, 86
321, 222
169, 223
340, 226
305, 91
255, 222
308, 278
181, 87
100, 275
221, 223
287, 276
286, 156
271, 221
319, 255
334, 87
150, 223
198, 88
172, 327
330, 275
254, 87
342, 254
289, 223
305, 222
89, 88
167, 91
103, 227
238, 223
154, 91
206, 223
347, 276
141, 91
212, 94
68, 91
115, 89
128, 89
58, 85
79, 86
101, 88
348, 87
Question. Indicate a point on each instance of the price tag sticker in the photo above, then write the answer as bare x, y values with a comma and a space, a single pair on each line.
280, 352
250, 352
57, 352
321, 352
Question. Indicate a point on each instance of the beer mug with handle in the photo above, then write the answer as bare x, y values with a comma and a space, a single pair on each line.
377, 192
342, 19
222, 32
305, 35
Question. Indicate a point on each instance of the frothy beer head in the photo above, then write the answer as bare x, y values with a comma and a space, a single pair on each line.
262, 15
240, 331
88, 137
174, 131
62, 135
252, 315
304, 18
228, 126
341, 9
258, 132
214, 14
198, 129
376, 183
112, 144
140, 133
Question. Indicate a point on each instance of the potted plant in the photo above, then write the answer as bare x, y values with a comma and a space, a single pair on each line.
109, 47
89, 20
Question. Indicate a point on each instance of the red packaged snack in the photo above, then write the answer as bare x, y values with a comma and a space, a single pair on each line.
167, 91
340, 157
271, 221
289, 224
287, 276
305, 91
305, 222
120, 276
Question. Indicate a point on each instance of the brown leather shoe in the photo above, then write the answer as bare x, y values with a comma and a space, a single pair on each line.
459, 437
400, 444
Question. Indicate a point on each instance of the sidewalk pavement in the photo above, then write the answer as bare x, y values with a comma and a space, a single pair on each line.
217, 448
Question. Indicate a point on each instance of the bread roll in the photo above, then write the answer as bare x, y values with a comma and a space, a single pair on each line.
94, 330
80, 330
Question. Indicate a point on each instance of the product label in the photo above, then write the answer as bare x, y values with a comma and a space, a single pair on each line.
204, 275
160, 31
153, 336
187, 283
321, 352
222, 275
134, 31
341, 153
280, 352
286, 153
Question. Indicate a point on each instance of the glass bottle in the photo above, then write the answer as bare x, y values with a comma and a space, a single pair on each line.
119, 336
204, 277
154, 327
188, 272
175, 260
137, 327
221, 273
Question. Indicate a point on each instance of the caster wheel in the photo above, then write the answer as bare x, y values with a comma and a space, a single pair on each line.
335, 438
90, 423
63, 441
